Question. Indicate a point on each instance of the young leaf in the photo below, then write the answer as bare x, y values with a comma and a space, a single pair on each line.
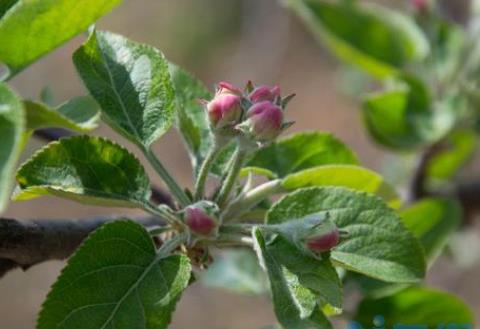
402, 118
131, 83
80, 114
12, 125
433, 221
377, 244
377, 39
90, 170
295, 305
31, 29
419, 307
238, 271
302, 151
353, 177
191, 120
460, 147
116, 280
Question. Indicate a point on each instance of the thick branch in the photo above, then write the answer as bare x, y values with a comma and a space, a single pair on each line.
52, 134
24, 243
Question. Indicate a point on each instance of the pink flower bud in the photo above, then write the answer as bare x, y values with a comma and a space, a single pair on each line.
419, 5
228, 88
264, 93
199, 221
224, 109
323, 242
265, 120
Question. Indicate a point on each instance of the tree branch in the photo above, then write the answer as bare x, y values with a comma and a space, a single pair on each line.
467, 193
24, 243
159, 196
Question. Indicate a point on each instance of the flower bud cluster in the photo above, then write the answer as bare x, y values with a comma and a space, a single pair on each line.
257, 113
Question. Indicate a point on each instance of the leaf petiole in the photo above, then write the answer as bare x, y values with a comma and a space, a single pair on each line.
204, 171
172, 184
227, 185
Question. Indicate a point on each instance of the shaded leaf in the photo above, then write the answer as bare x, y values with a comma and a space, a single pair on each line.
131, 83
402, 118
80, 114
433, 221
417, 306
90, 170
295, 306
33, 28
377, 39
354, 177
12, 125
377, 244
460, 147
192, 122
116, 280
302, 151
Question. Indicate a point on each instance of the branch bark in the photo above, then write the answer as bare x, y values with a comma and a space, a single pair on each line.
24, 243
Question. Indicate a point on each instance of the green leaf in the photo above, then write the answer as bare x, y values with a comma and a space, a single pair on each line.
302, 151
460, 146
131, 83
90, 170
5, 5
353, 177
80, 114
402, 118
296, 306
192, 122
116, 280
417, 306
433, 221
372, 37
33, 28
238, 271
12, 125
377, 245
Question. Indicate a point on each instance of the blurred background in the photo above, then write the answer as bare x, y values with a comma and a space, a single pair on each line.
233, 40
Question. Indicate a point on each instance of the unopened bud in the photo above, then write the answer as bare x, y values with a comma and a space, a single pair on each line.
224, 109
265, 121
225, 87
201, 218
314, 234
264, 93
323, 242
419, 5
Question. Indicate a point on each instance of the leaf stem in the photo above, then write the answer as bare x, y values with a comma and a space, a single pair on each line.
170, 245
163, 212
171, 183
252, 198
229, 182
205, 170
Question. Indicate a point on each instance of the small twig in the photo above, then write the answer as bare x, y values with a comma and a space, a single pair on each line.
159, 196
468, 193
24, 243
418, 187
